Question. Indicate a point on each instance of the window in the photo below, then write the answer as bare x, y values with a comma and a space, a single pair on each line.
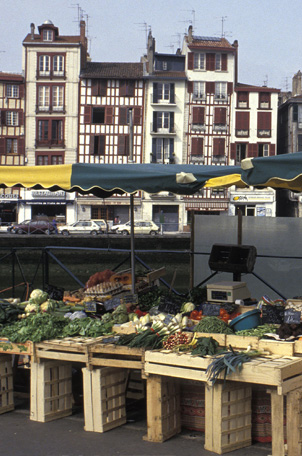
198, 115
98, 115
127, 88
217, 62
99, 87
97, 145
58, 98
263, 150
218, 147
220, 118
199, 90
199, 61
47, 35
162, 150
44, 65
242, 100
123, 145
163, 121
12, 91
58, 65
44, 98
49, 159
264, 100
221, 62
264, 124
163, 93
197, 147
240, 152
50, 132
242, 123
11, 146
11, 118
220, 90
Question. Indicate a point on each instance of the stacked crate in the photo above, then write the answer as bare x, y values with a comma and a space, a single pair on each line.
6, 384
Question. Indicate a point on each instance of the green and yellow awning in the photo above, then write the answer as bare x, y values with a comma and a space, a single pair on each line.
106, 180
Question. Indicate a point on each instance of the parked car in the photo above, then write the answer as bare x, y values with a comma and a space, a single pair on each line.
102, 224
140, 227
32, 227
81, 227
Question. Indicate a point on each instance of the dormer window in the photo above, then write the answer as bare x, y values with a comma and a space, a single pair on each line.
47, 35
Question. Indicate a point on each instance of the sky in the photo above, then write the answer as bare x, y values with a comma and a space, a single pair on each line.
269, 32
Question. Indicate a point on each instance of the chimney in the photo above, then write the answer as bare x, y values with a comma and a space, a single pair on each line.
296, 84
83, 41
190, 34
236, 45
150, 52
32, 31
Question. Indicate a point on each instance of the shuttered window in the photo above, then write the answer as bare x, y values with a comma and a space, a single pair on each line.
210, 62
198, 115
97, 144
197, 147
242, 123
127, 88
218, 147
123, 145
220, 116
264, 121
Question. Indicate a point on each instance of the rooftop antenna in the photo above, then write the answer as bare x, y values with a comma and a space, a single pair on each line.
145, 28
223, 34
171, 46
265, 82
80, 13
178, 36
192, 22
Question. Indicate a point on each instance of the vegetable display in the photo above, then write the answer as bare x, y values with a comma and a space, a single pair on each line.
213, 325
259, 331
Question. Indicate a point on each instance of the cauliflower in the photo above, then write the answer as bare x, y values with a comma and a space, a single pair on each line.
38, 296
188, 307
47, 306
31, 308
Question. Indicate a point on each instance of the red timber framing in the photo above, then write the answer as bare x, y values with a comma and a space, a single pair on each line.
104, 121
12, 144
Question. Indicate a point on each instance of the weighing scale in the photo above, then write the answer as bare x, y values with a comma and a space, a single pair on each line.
227, 291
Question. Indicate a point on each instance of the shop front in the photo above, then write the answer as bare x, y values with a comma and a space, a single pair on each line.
254, 203
9, 203
59, 205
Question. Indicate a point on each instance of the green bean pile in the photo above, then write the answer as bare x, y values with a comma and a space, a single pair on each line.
259, 331
213, 325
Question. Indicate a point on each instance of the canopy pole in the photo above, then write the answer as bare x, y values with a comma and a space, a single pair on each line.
132, 245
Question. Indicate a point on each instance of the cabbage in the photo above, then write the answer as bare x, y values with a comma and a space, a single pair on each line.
38, 296
188, 307
31, 308
47, 306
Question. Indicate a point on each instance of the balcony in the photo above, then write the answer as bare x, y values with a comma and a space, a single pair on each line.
162, 102
242, 133
50, 109
264, 133
198, 127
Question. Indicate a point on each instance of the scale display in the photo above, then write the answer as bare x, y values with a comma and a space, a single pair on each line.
227, 291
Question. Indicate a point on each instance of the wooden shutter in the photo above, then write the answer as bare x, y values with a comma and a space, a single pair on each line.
21, 90
101, 144
130, 88
94, 87
171, 129
2, 117
2, 146
243, 96
123, 145
218, 147
137, 116
154, 121
91, 144
103, 87
242, 120
123, 116
198, 115
122, 88
210, 87
190, 61
21, 118
264, 121
190, 86
272, 149
252, 150
87, 114
224, 62
109, 115
155, 92
153, 160
197, 146
220, 116
21, 146
233, 151
210, 62
295, 113
172, 93
171, 150
230, 88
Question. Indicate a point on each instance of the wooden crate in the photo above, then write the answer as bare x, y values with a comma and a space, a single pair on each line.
104, 398
13, 348
135, 386
6, 384
50, 390
110, 355
74, 349
228, 414
163, 408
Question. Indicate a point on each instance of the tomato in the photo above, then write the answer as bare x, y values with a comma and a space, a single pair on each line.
222, 312
198, 317
194, 314
200, 313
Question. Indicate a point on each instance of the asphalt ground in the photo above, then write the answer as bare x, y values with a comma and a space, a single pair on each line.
66, 437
